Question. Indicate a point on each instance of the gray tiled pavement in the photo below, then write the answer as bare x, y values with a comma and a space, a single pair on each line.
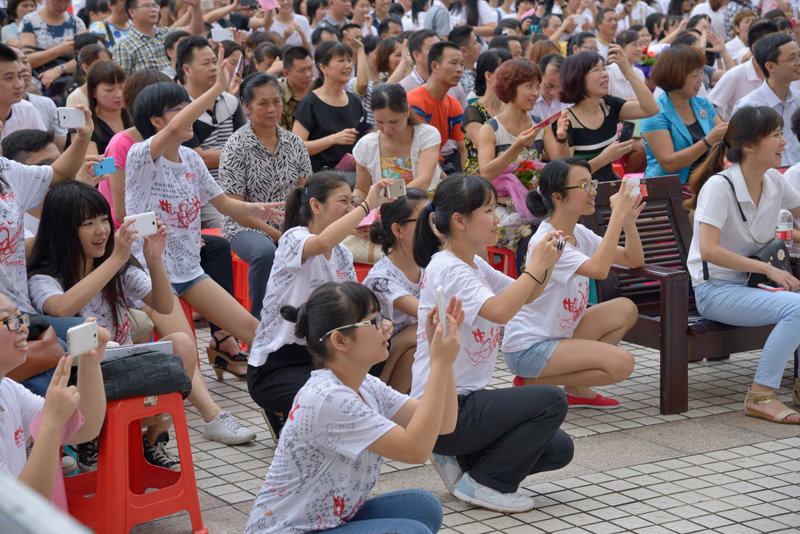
710, 469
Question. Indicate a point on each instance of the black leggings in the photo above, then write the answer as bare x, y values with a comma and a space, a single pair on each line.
504, 435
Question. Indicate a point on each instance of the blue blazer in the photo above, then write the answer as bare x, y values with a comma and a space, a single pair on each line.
668, 119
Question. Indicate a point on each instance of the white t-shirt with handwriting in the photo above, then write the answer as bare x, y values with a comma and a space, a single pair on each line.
175, 192
18, 407
291, 282
479, 337
389, 284
135, 285
24, 189
322, 470
559, 308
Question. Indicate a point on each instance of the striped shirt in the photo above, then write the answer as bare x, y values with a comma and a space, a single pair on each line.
589, 143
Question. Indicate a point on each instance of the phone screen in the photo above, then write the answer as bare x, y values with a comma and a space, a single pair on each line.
627, 131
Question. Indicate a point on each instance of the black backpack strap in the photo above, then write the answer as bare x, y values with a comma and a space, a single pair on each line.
741, 212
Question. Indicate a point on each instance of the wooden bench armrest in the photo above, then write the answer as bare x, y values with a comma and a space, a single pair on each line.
651, 272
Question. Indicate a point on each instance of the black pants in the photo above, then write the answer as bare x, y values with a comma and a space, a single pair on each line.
274, 384
504, 435
215, 259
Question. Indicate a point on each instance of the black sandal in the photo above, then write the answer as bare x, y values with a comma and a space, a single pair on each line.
220, 359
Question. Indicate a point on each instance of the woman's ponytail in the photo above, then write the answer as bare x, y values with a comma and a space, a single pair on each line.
319, 186
426, 242
713, 164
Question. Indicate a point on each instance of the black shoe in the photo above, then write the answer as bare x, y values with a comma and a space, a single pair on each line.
87, 456
158, 454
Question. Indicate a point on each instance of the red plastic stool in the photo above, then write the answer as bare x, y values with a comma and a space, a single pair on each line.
362, 270
506, 263
112, 499
619, 170
241, 288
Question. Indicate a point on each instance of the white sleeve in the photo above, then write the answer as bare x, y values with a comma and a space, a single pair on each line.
30, 182
135, 283
209, 188
290, 249
389, 399
498, 280
428, 137
462, 282
486, 15
711, 209
40, 288
139, 172
346, 425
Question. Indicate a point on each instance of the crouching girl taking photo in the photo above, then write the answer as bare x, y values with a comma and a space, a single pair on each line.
343, 422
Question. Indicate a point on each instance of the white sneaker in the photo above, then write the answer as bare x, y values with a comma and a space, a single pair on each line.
448, 469
226, 429
68, 464
508, 503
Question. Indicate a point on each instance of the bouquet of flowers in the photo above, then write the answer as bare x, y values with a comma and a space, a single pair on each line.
648, 58
516, 181
527, 172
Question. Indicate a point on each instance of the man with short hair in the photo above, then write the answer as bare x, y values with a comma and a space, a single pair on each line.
389, 27
324, 33
742, 79
437, 108
45, 106
355, 31
470, 45
337, 14
15, 112
419, 43
606, 21
582, 42
508, 42
549, 102
171, 48
197, 68
143, 47
779, 58
298, 73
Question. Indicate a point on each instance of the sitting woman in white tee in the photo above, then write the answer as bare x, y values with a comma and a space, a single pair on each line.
310, 252
396, 280
557, 340
69, 414
79, 267
501, 435
344, 421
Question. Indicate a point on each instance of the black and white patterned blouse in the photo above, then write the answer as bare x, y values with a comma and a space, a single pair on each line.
248, 169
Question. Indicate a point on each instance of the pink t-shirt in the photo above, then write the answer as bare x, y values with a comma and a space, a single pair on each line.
118, 149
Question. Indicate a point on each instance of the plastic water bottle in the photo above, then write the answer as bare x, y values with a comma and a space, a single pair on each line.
783, 228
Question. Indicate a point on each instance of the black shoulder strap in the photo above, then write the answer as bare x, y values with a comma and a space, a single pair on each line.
741, 212
108, 32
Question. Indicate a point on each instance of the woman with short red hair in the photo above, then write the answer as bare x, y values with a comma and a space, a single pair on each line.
512, 137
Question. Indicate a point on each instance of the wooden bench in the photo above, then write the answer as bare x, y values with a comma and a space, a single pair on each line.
662, 290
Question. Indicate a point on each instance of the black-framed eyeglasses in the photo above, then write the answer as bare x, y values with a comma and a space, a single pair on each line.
13, 323
408, 221
586, 186
377, 321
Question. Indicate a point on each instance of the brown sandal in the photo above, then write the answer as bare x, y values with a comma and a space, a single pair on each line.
767, 397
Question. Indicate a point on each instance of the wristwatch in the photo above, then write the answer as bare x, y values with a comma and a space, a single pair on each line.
63, 68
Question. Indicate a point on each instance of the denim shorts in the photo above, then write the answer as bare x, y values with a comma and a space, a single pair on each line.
182, 287
530, 363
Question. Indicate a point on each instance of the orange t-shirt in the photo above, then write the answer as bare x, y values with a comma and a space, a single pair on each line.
444, 116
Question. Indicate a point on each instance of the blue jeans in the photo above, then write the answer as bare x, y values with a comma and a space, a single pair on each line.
737, 305
38, 384
412, 511
258, 251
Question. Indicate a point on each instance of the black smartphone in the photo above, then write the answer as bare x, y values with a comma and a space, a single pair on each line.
627, 131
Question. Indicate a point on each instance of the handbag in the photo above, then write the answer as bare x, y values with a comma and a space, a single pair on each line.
143, 374
773, 251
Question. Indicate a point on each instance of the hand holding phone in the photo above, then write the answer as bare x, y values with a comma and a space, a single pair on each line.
549, 120
396, 189
221, 34
626, 133
441, 305
771, 288
71, 118
107, 166
82, 338
144, 224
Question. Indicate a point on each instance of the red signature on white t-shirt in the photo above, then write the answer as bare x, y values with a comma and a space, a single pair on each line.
19, 437
574, 307
182, 216
8, 241
122, 331
486, 345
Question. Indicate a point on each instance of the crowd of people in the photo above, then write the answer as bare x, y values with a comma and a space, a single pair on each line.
409, 135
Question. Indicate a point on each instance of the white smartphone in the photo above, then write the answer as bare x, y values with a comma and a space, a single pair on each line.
221, 34
636, 189
579, 19
82, 338
238, 65
396, 189
145, 223
442, 307
71, 118
206, 4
